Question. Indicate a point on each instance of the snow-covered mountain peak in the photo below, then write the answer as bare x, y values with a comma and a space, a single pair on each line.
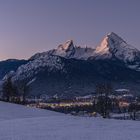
110, 42
68, 45
114, 46
65, 50
69, 50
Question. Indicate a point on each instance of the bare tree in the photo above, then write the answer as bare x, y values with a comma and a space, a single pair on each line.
103, 101
133, 108
23, 89
9, 90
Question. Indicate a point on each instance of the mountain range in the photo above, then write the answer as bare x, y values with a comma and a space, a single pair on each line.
71, 70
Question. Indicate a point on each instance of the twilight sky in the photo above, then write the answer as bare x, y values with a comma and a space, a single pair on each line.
30, 26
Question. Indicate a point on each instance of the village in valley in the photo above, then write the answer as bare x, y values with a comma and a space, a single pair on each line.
119, 105
104, 102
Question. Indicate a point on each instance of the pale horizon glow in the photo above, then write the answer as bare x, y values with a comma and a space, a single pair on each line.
31, 26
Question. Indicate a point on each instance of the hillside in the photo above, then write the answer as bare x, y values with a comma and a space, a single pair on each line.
18, 122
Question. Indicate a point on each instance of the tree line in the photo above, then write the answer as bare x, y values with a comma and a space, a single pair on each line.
14, 93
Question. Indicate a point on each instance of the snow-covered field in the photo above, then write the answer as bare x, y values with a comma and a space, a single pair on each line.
21, 123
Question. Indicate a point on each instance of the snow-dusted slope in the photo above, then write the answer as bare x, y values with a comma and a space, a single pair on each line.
42, 62
20, 123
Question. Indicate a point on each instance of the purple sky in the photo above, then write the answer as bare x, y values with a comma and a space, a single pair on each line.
30, 26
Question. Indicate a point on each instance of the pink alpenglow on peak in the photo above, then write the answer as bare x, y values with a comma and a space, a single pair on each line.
66, 46
69, 50
114, 46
